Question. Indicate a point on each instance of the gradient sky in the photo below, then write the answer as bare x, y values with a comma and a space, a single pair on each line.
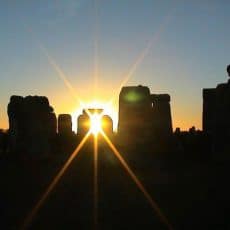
179, 47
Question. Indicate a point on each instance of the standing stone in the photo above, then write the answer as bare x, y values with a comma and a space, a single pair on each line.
216, 113
30, 124
162, 119
64, 124
134, 111
143, 116
209, 110
107, 125
83, 122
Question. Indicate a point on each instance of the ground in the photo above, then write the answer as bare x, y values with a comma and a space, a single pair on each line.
192, 193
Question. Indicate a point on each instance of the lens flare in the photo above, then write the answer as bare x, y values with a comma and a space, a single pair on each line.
144, 53
95, 181
52, 185
138, 183
95, 123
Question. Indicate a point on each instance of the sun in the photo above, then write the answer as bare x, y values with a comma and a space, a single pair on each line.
108, 109
95, 123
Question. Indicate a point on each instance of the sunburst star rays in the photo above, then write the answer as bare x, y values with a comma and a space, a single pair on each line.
52, 185
138, 183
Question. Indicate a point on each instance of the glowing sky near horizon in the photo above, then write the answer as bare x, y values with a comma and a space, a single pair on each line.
190, 53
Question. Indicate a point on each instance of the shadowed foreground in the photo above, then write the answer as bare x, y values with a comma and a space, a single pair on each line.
192, 194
